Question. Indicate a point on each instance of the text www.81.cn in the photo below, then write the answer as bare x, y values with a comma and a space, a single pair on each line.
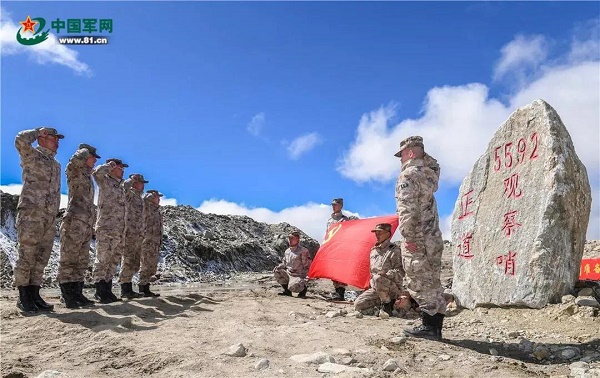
81, 40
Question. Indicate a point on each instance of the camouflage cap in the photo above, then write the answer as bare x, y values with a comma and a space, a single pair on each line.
337, 201
138, 177
117, 162
91, 149
51, 131
294, 233
412, 141
154, 192
383, 227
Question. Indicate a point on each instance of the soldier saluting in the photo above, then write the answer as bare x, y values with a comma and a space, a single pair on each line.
77, 227
36, 213
110, 226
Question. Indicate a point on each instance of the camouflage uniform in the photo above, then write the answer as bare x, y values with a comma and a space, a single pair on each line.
153, 231
37, 208
77, 228
338, 217
134, 232
419, 224
293, 269
110, 223
78, 222
384, 288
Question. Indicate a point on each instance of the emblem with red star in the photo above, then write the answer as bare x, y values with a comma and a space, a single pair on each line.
28, 25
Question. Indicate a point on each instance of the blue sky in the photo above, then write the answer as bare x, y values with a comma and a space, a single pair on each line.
271, 109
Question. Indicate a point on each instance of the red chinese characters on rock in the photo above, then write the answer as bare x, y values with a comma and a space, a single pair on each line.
508, 261
512, 154
506, 157
510, 223
464, 248
465, 202
511, 187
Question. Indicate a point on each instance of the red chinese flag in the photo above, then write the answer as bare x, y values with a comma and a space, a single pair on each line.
344, 254
590, 270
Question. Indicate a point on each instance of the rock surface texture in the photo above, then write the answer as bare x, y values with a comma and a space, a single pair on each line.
520, 221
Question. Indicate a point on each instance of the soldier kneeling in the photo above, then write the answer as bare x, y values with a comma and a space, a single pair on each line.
386, 273
291, 273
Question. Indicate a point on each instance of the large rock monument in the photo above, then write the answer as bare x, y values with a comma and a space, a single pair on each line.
520, 220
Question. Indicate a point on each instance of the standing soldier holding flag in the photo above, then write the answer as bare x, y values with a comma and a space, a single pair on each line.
337, 216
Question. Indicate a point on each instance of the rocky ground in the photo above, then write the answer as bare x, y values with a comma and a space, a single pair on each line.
217, 317
240, 327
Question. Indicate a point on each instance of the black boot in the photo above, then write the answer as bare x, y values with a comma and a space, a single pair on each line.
127, 291
100, 294
109, 294
25, 302
427, 330
302, 294
145, 291
285, 291
83, 301
39, 301
439, 324
67, 295
388, 307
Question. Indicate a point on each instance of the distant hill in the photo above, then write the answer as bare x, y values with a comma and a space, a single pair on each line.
196, 246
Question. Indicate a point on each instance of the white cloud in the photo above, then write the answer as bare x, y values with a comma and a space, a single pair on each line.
586, 42
256, 124
445, 225
311, 218
49, 51
164, 201
520, 54
456, 125
64, 199
458, 122
15, 189
303, 144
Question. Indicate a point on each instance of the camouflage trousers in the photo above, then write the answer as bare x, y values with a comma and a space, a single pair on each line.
295, 284
131, 257
423, 276
148, 260
75, 238
109, 249
382, 290
35, 237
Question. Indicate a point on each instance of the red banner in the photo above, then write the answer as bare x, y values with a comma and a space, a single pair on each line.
590, 270
344, 254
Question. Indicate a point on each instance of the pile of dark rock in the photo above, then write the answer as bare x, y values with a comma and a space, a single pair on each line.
196, 247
